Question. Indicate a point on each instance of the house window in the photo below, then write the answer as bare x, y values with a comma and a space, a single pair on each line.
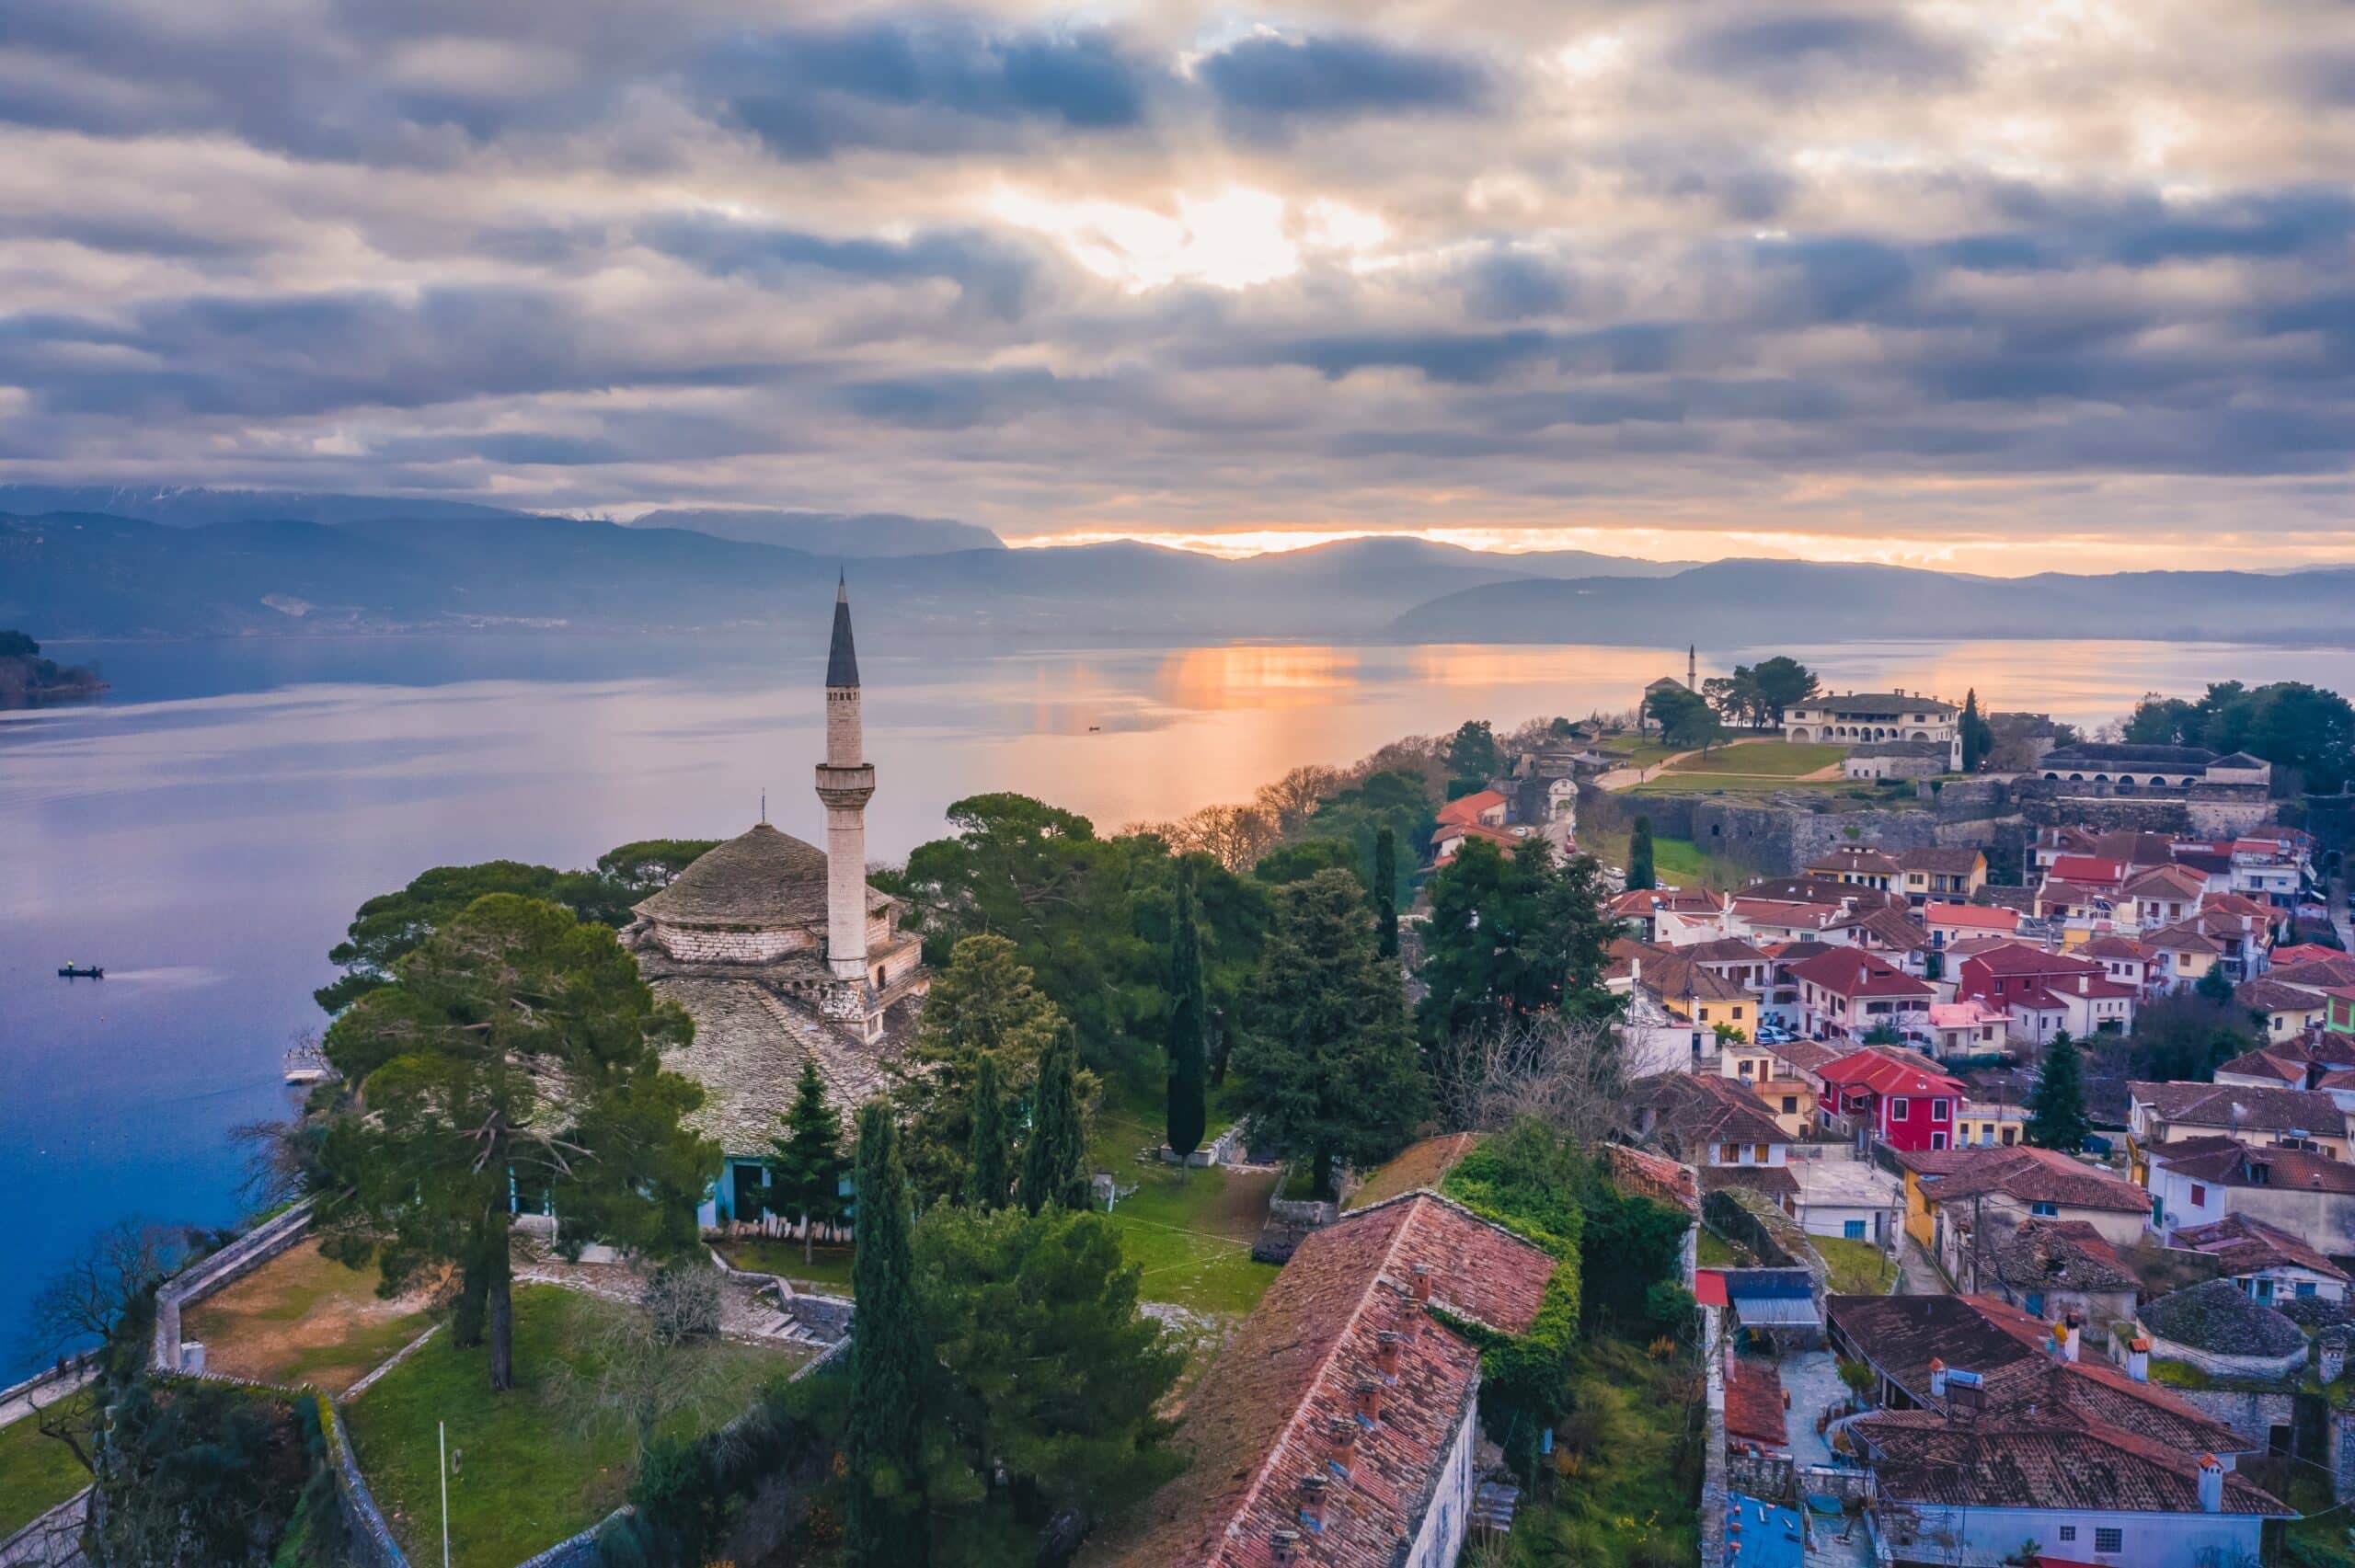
2045, 1210
1897, 1110
2305, 1288
1727, 1154
2034, 1304
1852, 1230
1939, 1110
1937, 1141
2068, 1532
2198, 1196
2108, 1538
1758, 1152
1790, 1105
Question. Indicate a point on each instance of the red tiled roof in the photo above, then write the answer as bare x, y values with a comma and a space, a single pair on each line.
1710, 1286
2228, 1162
1645, 1175
1680, 900
2248, 1246
2304, 952
2114, 947
2019, 959
2027, 1176
2167, 881
1984, 917
1754, 1402
1258, 1421
1468, 808
2242, 1106
2086, 869
1886, 1071
2024, 1462
1852, 972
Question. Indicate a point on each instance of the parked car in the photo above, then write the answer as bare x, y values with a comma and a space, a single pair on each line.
1773, 1035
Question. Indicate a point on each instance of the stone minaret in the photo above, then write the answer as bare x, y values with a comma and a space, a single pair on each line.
845, 783
1692, 668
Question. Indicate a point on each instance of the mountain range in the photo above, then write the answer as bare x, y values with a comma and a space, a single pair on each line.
183, 562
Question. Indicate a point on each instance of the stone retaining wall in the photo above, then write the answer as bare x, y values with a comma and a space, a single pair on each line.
371, 1537
52, 1540
236, 1260
2252, 1415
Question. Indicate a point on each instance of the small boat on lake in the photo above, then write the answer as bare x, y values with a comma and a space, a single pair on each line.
81, 972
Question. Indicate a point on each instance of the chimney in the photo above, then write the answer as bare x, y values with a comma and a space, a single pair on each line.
2137, 1358
2330, 1351
1368, 1402
1422, 1289
1343, 1431
1313, 1489
1283, 1546
2212, 1485
1386, 1353
1937, 1378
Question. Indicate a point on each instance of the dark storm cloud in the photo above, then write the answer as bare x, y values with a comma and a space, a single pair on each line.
994, 269
809, 94
1802, 52
1273, 79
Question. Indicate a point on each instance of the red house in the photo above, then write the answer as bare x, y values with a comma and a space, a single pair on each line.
2016, 972
1905, 1102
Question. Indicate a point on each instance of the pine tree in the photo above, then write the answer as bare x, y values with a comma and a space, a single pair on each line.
890, 1366
1640, 873
2057, 1107
989, 1172
1189, 1015
807, 1164
1330, 1071
1386, 891
1054, 1163
2215, 985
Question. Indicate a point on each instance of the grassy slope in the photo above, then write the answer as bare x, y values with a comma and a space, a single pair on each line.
1858, 1268
36, 1473
1629, 1469
531, 1470
828, 1269
1190, 1230
1774, 758
303, 1319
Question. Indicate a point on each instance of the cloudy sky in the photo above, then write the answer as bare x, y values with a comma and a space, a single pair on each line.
2003, 284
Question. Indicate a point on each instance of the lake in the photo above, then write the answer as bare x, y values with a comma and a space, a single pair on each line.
207, 831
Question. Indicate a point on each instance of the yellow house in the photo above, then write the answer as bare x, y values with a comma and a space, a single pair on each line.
1790, 1101
1749, 1063
1980, 1124
1701, 996
1942, 874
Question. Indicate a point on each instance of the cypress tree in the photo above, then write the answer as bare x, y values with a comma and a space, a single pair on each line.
2057, 1107
1386, 891
1978, 735
1188, 1010
990, 1160
1054, 1164
807, 1164
1640, 873
883, 1521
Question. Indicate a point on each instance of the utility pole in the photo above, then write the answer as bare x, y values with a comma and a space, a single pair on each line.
442, 1430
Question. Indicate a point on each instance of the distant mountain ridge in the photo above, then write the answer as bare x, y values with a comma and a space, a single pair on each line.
67, 573
853, 534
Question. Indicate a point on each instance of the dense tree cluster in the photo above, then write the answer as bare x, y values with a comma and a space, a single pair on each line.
26, 677
1756, 696
392, 925
514, 1052
2290, 724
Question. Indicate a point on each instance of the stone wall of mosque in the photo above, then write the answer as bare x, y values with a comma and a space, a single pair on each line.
692, 944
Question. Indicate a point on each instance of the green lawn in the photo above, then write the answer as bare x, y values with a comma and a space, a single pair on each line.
1191, 1230
530, 1468
828, 1269
36, 1473
1777, 758
1715, 1251
1858, 1268
1678, 862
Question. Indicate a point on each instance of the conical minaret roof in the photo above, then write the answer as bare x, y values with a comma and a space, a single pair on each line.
841, 659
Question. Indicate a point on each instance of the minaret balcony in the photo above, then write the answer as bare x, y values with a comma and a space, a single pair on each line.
845, 787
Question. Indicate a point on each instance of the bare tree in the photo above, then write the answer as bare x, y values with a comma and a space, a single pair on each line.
1236, 836
1292, 798
1569, 1073
650, 1360
107, 1278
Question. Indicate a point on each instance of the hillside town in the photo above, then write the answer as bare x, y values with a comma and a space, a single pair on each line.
1772, 1126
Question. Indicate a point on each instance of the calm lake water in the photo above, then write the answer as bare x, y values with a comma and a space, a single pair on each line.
206, 832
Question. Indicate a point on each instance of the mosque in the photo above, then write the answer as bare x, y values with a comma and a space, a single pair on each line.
781, 953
